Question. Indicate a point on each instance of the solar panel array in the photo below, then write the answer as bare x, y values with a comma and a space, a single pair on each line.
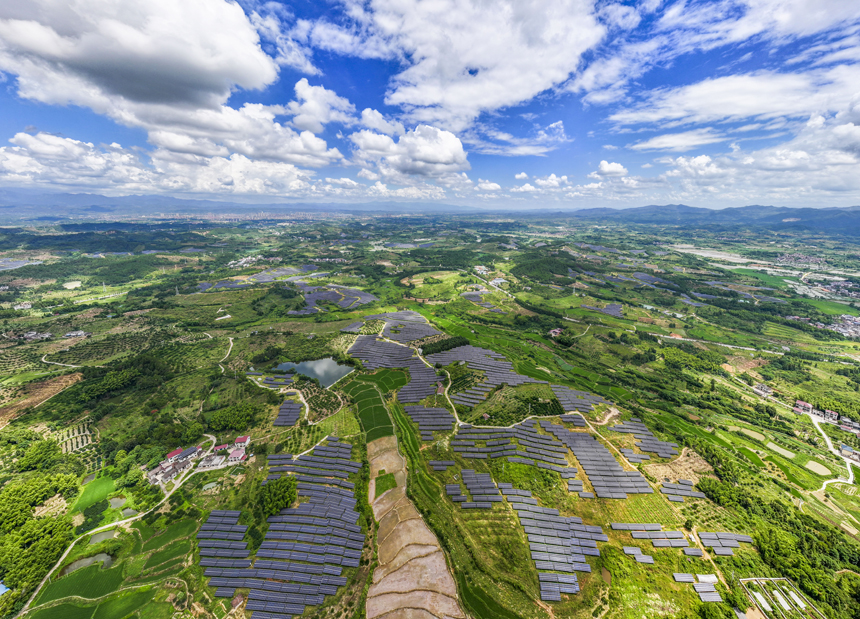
497, 371
220, 539
581, 401
305, 549
270, 275
288, 413
476, 297
610, 481
441, 465
694, 552
647, 441
663, 539
431, 420
634, 457
482, 490
278, 379
636, 526
341, 296
531, 447
707, 592
557, 543
721, 544
677, 492
405, 331
376, 353
404, 326
613, 309
636, 553
577, 420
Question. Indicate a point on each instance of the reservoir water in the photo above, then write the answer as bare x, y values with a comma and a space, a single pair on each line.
100, 537
327, 371
103, 558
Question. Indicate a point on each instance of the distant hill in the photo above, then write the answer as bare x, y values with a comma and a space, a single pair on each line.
843, 220
31, 205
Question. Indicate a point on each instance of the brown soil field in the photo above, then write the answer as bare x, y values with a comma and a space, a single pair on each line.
37, 393
412, 578
689, 465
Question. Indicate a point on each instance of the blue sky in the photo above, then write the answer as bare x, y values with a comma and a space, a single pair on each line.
503, 104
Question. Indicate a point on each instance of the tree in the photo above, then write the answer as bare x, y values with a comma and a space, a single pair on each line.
40, 455
278, 494
237, 417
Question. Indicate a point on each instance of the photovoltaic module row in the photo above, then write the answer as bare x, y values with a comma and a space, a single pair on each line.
647, 441
288, 414
430, 420
341, 296
376, 353
573, 400
475, 296
497, 371
556, 543
609, 479
305, 549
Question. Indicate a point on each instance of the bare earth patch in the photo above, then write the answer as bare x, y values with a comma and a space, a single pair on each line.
783, 452
752, 433
54, 506
37, 393
412, 580
689, 465
817, 467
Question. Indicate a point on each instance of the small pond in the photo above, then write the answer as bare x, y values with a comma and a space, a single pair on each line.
105, 559
327, 371
210, 485
89, 478
100, 537
129, 512
117, 502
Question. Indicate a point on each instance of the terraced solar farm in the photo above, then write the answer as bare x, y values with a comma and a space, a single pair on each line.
453, 417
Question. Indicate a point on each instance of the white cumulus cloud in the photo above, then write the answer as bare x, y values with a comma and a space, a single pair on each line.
423, 152
605, 168
466, 57
317, 106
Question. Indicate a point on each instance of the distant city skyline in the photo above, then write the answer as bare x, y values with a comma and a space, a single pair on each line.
506, 104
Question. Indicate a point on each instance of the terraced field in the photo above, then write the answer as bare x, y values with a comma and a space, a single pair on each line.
386, 380
371, 409
93, 351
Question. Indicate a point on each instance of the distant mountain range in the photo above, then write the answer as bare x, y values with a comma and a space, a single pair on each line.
846, 220
18, 205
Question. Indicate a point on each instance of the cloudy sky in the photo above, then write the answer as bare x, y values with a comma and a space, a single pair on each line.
500, 103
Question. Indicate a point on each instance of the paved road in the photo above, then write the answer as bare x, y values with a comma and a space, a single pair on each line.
848, 463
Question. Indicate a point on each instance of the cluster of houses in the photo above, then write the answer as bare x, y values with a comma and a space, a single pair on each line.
180, 460
763, 390
849, 452
846, 423
35, 336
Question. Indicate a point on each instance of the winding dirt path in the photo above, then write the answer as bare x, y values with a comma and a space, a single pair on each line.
412, 580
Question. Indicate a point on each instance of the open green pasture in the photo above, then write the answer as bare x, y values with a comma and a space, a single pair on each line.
88, 582
95, 491
177, 530
117, 607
